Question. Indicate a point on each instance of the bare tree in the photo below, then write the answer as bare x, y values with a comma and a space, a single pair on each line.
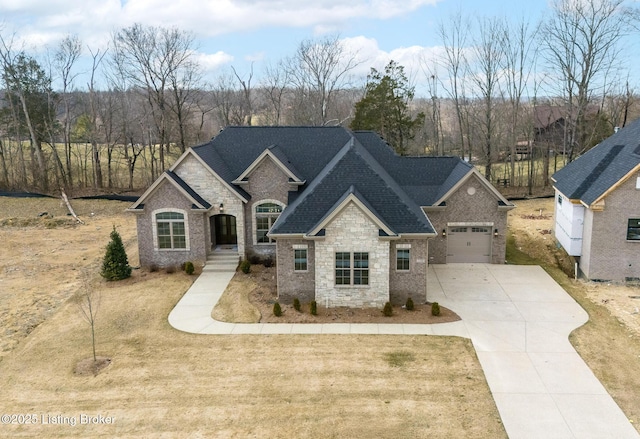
486, 74
93, 108
518, 63
65, 58
149, 56
88, 301
582, 43
274, 88
246, 103
319, 69
453, 36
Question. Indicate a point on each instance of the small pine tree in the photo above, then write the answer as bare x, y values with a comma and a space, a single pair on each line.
435, 309
296, 304
409, 304
277, 310
388, 309
245, 266
313, 308
189, 267
115, 265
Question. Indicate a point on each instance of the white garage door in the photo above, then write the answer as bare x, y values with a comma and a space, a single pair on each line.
469, 244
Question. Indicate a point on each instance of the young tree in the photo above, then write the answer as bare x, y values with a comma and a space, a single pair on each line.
88, 300
115, 265
385, 107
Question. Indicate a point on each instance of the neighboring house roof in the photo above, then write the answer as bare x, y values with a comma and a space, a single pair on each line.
601, 169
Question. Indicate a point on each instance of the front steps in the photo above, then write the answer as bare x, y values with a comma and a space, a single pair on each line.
222, 261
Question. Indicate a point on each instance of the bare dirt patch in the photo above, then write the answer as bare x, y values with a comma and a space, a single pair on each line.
249, 298
89, 366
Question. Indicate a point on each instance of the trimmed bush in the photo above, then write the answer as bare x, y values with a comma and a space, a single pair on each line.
277, 310
435, 309
115, 265
189, 268
313, 308
387, 310
170, 269
267, 262
245, 266
409, 304
296, 304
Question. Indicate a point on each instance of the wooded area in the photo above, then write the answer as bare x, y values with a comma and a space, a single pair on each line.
518, 101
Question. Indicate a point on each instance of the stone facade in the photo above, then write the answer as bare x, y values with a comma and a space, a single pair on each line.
606, 252
411, 283
292, 283
352, 231
168, 197
215, 192
267, 184
476, 205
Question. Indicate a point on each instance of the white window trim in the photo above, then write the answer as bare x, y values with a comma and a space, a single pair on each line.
254, 222
154, 227
300, 247
403, 247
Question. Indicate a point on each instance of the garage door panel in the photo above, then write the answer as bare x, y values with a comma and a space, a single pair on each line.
469, 244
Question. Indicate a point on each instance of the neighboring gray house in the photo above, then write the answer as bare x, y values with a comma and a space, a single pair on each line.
597, 208
349, 222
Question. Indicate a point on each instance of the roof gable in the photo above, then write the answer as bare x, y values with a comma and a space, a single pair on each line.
279, 158
178, 183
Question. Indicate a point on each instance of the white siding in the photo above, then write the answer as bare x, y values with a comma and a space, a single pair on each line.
569, 222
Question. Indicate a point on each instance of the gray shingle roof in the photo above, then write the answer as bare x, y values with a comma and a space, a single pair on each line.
589, 176
353, 170
332, 160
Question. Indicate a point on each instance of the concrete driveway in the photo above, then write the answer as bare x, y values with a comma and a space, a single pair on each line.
518, 319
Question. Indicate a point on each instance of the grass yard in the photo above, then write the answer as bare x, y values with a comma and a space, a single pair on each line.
165, 383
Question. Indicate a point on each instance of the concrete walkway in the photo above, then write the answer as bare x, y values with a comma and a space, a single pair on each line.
518, 319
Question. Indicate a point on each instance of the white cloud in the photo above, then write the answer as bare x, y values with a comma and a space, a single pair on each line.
211, 62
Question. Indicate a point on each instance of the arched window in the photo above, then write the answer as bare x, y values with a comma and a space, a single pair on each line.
170, 230
266, 214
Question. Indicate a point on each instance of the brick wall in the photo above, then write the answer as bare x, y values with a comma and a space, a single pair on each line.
267, 183
215, 192
291, 283
607, 255
167, 196
412, 283
479, 207
352, 231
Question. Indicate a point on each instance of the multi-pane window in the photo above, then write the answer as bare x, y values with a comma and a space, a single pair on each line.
352, 268
300, 259
266, 215
171, 230
402, 259
633, 229
343, 268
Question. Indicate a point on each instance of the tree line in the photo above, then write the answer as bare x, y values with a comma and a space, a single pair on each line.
517, 99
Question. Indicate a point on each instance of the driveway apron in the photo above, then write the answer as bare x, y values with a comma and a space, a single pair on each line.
518, 319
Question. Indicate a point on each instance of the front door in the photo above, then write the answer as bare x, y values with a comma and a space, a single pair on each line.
225, 230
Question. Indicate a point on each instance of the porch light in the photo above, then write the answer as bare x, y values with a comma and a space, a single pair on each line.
221, 207
495, 232
444, 232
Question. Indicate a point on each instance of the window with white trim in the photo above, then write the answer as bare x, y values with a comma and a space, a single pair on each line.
300, 258
266, 215
402, 259
352, 268
171, 231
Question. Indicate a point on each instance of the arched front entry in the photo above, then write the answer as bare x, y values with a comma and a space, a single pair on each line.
223, 230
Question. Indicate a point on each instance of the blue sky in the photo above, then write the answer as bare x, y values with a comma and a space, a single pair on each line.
238, 32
